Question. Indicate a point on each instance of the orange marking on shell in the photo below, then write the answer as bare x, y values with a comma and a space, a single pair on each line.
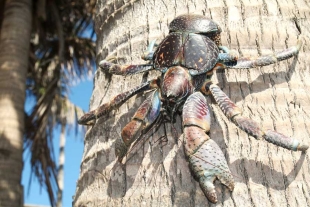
161, 55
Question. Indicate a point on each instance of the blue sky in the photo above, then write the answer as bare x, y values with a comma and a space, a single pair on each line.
80, 96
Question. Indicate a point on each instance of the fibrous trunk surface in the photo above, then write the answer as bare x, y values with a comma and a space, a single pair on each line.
276, 96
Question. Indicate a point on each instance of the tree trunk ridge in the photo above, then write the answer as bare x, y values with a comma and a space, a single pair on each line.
13, 69
275, 96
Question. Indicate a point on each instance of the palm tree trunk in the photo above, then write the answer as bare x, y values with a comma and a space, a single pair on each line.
275, 96
14, 53
61, 163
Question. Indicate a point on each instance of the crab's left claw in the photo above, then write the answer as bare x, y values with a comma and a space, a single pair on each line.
206, 159
207, 162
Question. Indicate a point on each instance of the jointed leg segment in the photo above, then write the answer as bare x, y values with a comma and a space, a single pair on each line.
146, 114
231, 60
149, 53
130, 69
125, 69
251, 127
90, 117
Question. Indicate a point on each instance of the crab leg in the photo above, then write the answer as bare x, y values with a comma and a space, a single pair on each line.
130, 69
146, 114
231, 60
228, 55
124, 69
206, 159
149, 53
251, 127
90, 117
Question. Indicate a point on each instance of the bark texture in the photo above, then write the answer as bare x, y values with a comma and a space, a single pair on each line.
61, 163
276, 96
14, 44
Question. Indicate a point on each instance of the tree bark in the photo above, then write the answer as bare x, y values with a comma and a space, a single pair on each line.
276, 96
14, 44
61, 163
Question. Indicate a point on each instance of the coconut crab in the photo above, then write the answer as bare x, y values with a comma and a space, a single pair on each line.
187, 59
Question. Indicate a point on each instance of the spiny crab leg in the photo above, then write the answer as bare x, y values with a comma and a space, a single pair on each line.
231, 60
124, 69
130, 69
146, 114
251, 127
206, 159
149, 53
90, 117
228, 55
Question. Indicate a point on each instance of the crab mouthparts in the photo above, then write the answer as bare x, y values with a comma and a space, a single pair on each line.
177, 84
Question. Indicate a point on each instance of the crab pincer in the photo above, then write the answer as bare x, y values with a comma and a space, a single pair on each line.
206, 159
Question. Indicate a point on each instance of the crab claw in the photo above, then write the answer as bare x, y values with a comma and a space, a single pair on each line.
206, 159
208, 163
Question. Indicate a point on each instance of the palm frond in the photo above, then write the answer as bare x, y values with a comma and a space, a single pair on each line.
60, 53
